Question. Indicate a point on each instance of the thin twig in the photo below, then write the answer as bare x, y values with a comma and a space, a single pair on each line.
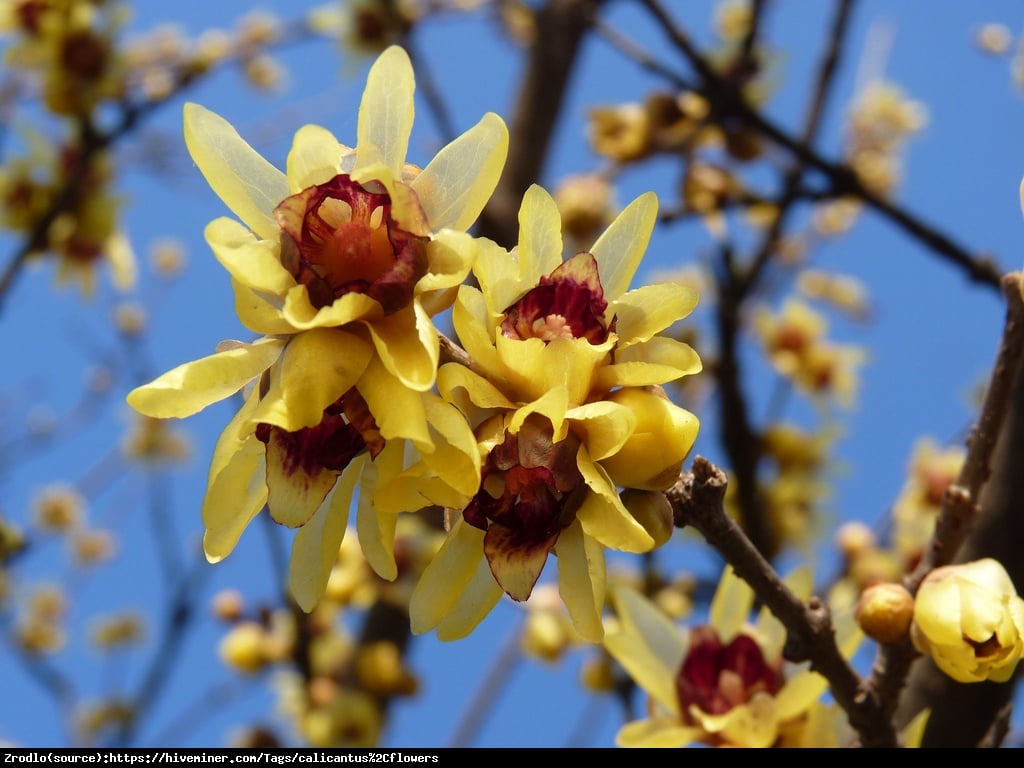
697, 500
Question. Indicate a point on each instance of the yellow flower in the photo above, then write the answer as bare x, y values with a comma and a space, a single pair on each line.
969, 619
723, 684
561, 393
340, 263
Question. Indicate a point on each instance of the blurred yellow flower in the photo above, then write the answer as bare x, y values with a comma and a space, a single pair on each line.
340, 263
969, 619
721, 684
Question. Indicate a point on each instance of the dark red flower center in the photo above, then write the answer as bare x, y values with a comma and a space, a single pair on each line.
339, 238
569, 302
530, 490
346, 430
718, 677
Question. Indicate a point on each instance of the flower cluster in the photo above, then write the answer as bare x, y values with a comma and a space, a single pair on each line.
546, 431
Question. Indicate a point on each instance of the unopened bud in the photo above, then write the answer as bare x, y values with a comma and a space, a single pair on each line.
885, 611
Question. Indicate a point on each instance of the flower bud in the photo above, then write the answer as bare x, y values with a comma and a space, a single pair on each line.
969, 619
653, 455
884, 612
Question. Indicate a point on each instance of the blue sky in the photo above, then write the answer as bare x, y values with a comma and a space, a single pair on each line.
932, 340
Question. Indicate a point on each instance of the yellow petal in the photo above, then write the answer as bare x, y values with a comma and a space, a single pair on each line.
498, 273
458, 182
657, 733
386, 112
657, 361
254, 263
248, 184
730, 607
376, 529
451, 255
316, 544
798, 694
618, 251
236, 490
649, 648
581, 580
602, 513
259, 313
532, 367
398, 410
652, 456
456, 458
407, 344
295, 490
475, 330
475, 601
937, 611
540, 237
644, 312
754, 724
314, 158
190, 387
603, 426
317, 368
446, 576
302, 315
553, 405
457, 384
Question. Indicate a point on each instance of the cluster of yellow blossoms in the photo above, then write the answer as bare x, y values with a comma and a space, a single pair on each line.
529, 434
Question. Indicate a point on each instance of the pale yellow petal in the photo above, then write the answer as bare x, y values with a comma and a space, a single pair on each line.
398, 410
302, 315
603, 426
602, 513
474, 327
581, 580
295, 490
618, 251
447, 576
913, 732
317, 368
646, 311
190, 387
645, 668
407, 344
657, 733
456, 383
248, 184
657, 361
258, 313
456, 185
376, 529
754, 724
316, 544
658, 638
254, 263
451, 255
481, 594
498, 273
798, 694
236, 490
540, 236
937, 612
731, 605
314, 158
386, 112
552, 404
456, 458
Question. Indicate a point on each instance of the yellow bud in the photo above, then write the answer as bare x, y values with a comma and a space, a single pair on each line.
969, 619
885, 611
242, 648
228, 605
854, 538
652, 456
